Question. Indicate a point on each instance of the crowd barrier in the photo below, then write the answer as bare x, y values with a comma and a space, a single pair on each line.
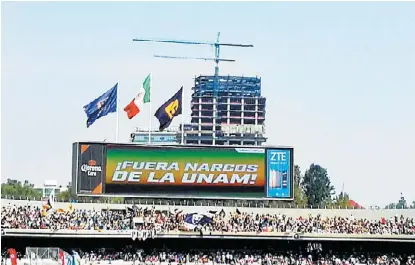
208, 202
47, 233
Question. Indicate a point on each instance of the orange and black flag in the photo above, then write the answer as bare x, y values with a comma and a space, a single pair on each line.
170, 109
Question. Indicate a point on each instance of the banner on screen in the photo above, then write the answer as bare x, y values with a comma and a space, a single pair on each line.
88, 167
173, 171
186, 171
279, 169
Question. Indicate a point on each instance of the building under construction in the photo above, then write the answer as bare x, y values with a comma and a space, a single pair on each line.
225, 110
230, 111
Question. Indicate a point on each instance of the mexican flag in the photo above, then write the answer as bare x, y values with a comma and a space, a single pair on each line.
143, 96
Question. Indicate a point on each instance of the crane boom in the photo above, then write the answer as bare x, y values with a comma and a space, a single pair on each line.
193, 58
216, 44
194, 42
175, 41
236, 45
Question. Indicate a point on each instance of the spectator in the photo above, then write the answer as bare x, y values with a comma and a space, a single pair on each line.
30, 217
242, 257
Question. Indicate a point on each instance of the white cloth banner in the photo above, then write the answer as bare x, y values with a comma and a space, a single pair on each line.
142, 234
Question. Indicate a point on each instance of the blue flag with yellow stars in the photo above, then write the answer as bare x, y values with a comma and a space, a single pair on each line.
101, 106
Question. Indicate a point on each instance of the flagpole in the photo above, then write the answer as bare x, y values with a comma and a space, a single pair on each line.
117, 113
149, 114
182, 141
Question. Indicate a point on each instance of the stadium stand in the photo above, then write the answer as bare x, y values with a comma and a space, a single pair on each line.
150, 218
238, 257
166, 234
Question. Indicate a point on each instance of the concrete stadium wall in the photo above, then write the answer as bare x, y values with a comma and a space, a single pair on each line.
358, 213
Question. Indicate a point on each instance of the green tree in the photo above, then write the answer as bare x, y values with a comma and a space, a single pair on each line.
17, 189
300, 199
66, 195
116, 200
342, 200
317, 186
391, 206
401, 204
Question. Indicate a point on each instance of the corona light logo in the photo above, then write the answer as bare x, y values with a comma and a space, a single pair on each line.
91, 168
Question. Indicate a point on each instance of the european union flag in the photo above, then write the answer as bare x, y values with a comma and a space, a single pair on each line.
170, 109
101, 106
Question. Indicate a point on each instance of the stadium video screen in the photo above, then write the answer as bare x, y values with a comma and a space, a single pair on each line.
189, 171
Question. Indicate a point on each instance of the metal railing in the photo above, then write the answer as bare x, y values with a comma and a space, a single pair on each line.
42, 256
182, 202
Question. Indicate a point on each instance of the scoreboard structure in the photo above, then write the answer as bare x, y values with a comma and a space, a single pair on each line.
183, 171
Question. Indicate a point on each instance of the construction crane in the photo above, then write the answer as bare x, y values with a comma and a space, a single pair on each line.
216, 45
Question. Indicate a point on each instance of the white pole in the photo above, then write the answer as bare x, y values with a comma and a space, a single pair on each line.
149, 115
182, 141
117, 112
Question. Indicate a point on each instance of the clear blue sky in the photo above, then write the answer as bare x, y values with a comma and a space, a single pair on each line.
339, 78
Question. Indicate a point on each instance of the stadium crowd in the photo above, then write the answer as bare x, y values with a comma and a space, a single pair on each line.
30, 217
243, 257
238, 257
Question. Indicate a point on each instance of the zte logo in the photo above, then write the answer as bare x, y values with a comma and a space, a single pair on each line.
91, 168
278, 156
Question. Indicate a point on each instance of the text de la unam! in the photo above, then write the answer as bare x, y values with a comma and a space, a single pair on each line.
193, 173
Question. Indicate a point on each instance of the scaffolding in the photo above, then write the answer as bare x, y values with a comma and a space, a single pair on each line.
229, 86
228, 101
219, 101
